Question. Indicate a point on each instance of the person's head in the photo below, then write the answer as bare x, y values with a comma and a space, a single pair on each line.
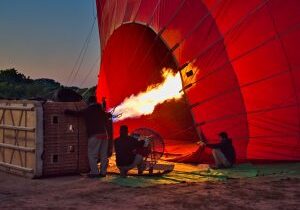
92, 100
223, 135
123, 131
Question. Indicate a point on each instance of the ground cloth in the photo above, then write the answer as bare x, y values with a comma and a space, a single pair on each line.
185, 173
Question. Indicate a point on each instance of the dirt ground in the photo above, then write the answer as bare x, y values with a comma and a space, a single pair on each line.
78, 192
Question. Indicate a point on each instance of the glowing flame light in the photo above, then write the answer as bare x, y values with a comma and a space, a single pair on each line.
144, 103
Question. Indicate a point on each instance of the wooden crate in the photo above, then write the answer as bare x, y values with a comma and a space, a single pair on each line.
39, 140
21, 137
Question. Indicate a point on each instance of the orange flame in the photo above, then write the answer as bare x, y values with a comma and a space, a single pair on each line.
144, 103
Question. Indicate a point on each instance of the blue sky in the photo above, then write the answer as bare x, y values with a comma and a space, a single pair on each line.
43, 39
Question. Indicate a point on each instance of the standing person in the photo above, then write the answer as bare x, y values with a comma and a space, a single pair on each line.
126, 148
95, 120
223, 152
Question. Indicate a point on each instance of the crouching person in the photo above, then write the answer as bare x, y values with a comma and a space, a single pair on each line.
223, 152
126, 148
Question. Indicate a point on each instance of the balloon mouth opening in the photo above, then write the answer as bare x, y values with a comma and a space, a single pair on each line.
137, 60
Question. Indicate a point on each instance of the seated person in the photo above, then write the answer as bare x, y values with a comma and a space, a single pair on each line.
126, 148
223, 152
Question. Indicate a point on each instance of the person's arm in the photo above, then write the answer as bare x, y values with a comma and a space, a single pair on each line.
216, 146
213, 146
138, 143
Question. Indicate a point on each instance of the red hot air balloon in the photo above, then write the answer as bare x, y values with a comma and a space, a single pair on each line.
239, 63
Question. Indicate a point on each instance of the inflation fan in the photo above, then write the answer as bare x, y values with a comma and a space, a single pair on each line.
153, 150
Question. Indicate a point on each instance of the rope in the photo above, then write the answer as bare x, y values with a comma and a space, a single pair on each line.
90, 71
81, 55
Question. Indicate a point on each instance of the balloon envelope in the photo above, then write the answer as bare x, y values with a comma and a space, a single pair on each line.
243, 70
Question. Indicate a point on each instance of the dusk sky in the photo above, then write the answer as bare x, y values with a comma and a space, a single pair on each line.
43, 39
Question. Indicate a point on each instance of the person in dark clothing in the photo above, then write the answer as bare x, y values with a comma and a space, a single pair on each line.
223, 152
126, 148
95, 120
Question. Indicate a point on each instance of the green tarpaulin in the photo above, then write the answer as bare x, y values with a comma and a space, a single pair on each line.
192, 174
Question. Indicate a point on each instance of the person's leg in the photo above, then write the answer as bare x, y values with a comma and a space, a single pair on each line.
123, 171
103, 156
220, 159
215, 153
93, 149
137, 162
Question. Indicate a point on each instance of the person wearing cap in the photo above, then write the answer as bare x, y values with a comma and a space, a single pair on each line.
127, 152
223, 152
98, 143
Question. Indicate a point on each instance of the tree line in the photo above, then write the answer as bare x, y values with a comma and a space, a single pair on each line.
15, 85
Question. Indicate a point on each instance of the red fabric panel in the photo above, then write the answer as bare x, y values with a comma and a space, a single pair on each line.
146, 11
272, 94
200, 41
261, 60
285, 14
260, 148
183, 24
245, 38
213, 60
120, 9
106, 24
279, 122
228, 13
100, 6
169, 9
132, 9
291, 45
